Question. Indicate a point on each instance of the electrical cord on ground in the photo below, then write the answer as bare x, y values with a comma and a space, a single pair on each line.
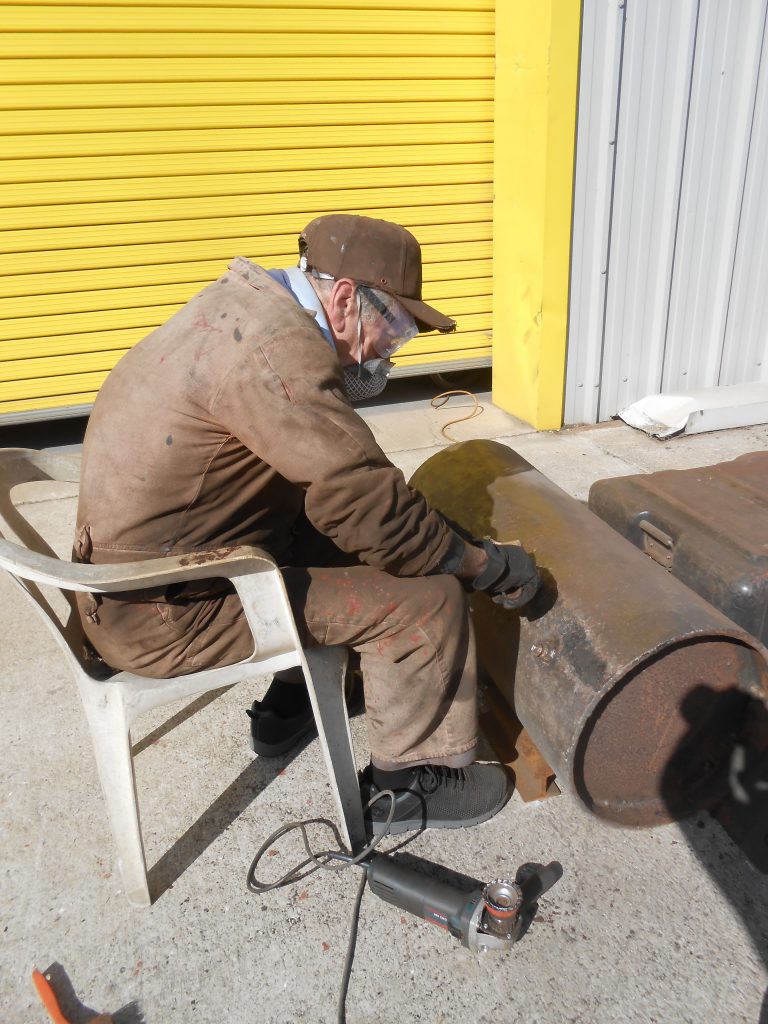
341, 1015
439, 400
324, 861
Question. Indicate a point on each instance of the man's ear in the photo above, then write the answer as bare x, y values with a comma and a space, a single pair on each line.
342, 304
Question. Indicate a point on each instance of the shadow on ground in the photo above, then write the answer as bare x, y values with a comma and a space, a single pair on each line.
221, 814
740, 818
76, 1012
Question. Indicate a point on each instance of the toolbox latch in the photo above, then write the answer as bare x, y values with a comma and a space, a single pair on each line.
659, 545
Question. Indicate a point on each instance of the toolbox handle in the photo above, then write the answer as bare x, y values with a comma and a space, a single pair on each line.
659, 545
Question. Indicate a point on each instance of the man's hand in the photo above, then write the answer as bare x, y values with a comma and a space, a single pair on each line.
504, 571
510, 576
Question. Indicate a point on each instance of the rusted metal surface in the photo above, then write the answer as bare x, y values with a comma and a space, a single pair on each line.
534, 777
705, 525
632, 686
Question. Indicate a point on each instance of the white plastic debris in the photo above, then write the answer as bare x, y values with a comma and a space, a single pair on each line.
694, 412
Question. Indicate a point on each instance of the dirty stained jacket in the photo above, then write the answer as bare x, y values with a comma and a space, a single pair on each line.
218, 429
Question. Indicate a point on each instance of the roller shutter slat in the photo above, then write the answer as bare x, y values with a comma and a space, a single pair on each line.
42, 371
146, 211
277, 185
37, 45
273, 19
187, 94
122, 339
70, 283
251, 140
18, 372
44, 376
250, 233
368, 6
156, 295
368, 158
310, 70
44, 408
218, 118
41, 387
149, 317
65, 344
58, 366
280, 252
477, 337
297, 115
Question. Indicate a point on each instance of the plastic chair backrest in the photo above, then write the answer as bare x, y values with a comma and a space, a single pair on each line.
29, 559
20, 466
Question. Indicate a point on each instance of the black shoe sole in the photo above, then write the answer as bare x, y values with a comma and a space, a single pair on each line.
413, 824
276, 749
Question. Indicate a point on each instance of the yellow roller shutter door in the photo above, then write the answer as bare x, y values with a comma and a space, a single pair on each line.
144, 146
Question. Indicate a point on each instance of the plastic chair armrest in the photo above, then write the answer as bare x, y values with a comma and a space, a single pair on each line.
154, 572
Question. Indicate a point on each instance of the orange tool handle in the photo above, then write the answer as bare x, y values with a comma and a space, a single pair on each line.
48, 996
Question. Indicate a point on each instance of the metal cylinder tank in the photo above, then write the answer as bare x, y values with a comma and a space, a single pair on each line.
633, 687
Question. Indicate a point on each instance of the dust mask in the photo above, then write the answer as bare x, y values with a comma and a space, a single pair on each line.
366, 380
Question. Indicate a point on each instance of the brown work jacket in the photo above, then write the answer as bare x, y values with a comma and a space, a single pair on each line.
219, 427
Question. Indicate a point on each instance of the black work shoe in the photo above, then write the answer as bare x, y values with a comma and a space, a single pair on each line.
273, 734
284, 715
439, 797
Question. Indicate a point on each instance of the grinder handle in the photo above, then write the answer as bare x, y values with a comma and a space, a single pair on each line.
427, 898
536, 882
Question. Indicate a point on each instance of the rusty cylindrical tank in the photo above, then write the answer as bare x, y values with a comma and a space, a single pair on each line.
633, 687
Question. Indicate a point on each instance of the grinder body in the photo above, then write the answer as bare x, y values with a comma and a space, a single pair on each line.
490, 917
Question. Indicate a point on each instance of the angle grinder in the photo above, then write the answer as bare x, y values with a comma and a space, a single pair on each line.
491, 917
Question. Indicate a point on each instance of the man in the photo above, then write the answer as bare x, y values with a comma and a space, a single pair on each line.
232, 424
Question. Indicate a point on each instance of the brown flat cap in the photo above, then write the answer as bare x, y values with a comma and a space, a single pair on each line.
373, 252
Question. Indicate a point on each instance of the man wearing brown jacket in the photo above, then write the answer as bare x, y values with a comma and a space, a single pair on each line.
232, 424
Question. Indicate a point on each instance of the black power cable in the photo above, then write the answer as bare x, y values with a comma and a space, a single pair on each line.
324, 861
341, 1015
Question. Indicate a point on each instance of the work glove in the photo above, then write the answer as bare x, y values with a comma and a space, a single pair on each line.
510, 577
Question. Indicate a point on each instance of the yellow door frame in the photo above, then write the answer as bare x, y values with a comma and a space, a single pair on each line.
537, 59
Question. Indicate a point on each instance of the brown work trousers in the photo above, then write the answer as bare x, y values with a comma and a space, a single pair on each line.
414, 637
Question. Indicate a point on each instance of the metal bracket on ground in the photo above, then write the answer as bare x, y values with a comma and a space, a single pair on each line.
534, 777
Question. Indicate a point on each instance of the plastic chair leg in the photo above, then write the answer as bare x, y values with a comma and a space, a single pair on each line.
327, 666
112, 746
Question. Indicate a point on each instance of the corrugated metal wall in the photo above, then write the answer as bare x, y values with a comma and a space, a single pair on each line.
144, 146
669, 285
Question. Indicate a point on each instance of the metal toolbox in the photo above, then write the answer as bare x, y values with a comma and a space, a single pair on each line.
707, 526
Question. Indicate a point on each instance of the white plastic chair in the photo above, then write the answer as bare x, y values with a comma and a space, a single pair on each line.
112, 705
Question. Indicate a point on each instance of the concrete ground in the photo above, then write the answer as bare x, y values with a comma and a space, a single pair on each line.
656, 926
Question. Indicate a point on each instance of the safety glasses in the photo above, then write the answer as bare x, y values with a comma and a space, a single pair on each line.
392, 327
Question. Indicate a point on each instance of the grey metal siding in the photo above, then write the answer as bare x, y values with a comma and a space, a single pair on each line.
670, 264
